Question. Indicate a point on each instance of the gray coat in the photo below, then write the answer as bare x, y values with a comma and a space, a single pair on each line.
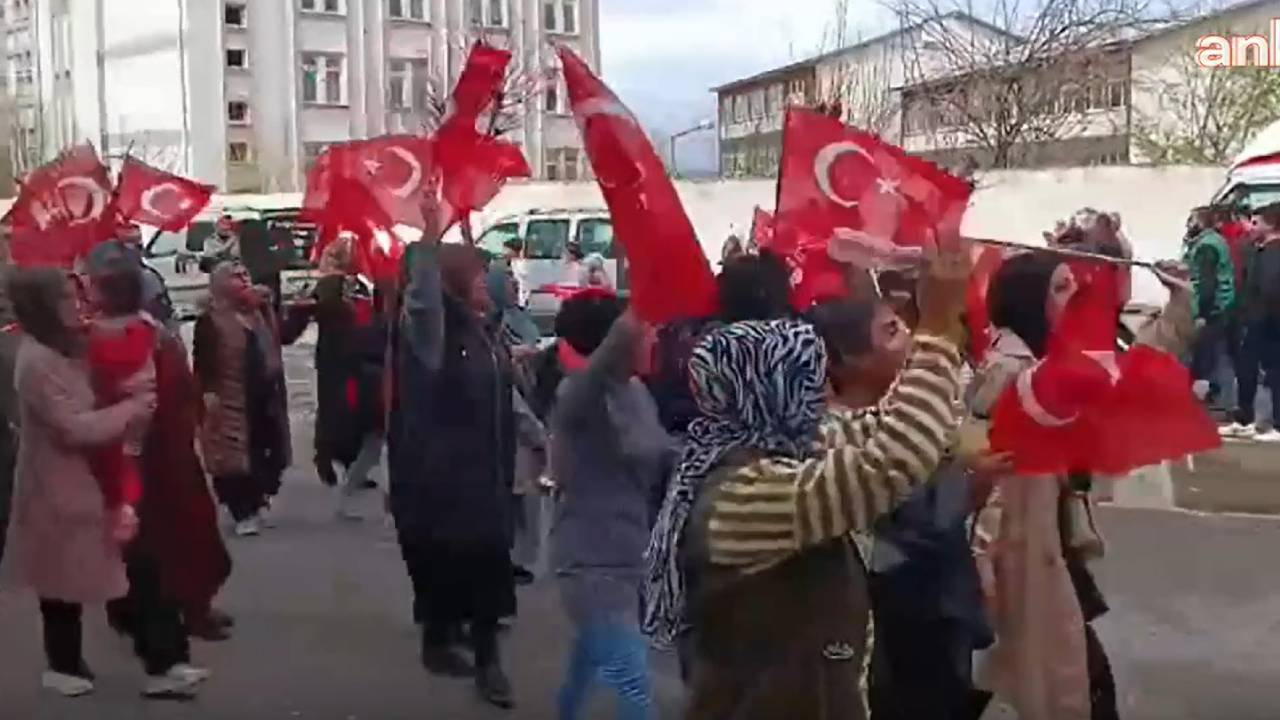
608, 450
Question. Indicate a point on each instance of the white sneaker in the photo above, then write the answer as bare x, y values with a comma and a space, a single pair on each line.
174, 684
1270, 436
1237, 431
191, 672
65, 685
248, 527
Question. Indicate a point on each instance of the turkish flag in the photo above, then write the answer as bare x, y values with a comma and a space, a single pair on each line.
63, 208
1087, 408
876, 205
474, 165
154, 197
373, 189
670, 275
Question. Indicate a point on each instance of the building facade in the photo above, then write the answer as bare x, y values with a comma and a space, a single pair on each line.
858, 83
245, 94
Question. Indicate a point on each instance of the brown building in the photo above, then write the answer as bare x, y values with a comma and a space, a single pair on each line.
751, 113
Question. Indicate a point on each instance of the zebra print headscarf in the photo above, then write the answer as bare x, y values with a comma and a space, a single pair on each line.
759, 386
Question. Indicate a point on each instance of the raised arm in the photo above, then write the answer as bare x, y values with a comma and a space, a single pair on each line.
776, 507
422, 314
613, 361
789, 505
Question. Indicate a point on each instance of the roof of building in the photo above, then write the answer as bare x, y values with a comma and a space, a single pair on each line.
813, 61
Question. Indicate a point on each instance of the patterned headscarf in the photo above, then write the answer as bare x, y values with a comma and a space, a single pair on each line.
759, 386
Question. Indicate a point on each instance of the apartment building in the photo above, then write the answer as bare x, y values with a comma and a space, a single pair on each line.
245, 94
857, 83
19, 116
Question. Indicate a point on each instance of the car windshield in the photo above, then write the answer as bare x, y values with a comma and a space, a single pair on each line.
494, 240
595, 235
546, 239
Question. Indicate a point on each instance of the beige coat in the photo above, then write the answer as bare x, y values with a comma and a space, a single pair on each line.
58, 539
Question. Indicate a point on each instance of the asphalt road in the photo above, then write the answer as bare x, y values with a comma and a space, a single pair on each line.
324, 629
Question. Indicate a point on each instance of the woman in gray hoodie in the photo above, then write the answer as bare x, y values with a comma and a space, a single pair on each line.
608, 450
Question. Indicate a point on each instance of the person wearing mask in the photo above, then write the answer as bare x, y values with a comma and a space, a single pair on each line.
1034, 538
452, 452
755, 532
925, 590
245, 426
1260, 332
1213, 279
609, 451
62, 534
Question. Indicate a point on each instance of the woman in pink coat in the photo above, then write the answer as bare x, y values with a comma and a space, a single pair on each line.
63, 542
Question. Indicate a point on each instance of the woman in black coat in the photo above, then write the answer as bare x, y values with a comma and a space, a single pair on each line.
452, 453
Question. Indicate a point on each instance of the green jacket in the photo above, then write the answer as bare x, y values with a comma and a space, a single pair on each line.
1212, 272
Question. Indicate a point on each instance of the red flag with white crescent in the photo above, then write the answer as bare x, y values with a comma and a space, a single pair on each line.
670, 275
373, 189
1085, 407
63, 208
875, 204
154, 197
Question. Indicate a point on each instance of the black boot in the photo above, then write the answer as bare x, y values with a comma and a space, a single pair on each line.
441, 658
493, 685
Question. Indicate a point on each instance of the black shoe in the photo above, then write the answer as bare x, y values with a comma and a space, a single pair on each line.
494, 687
522, 575
445, 661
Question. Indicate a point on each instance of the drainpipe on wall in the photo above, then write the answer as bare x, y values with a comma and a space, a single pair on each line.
182, 78
100, 32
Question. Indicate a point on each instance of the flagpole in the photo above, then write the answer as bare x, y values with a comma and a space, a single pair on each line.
1067, 252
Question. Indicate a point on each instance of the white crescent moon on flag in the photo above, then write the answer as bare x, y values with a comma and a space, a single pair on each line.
1031, 404
149, 195
826, 157
96, 194
415, 173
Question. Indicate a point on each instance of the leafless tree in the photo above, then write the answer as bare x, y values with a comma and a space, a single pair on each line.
521, 86
1026, 72
1204, 116
854, 88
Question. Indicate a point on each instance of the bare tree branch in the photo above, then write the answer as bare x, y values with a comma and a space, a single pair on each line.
1022, 74
1205, 116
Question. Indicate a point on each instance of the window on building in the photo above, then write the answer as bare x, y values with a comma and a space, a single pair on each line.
235, 15
555, 99
775, 101
1117, 93
726, 110
560, 16
561, 164
740, 108
329, 6
756, 100
399, 83
488, 13
407, 9
238, 112
237, 58
322, 79
238, 152
571, 161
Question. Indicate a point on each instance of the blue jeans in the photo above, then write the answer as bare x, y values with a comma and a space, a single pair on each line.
615, 651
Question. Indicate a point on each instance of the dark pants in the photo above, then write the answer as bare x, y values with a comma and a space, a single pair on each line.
8, 457
924, 669
1259, 350
242, 495
1207, 352
153, 621
1102, 684
452, 588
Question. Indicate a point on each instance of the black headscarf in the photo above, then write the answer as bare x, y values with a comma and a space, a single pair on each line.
1017, 297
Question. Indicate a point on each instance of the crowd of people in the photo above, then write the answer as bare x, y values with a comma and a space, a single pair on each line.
801, 503
1234, 256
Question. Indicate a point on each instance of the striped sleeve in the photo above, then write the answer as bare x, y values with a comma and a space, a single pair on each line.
775, 507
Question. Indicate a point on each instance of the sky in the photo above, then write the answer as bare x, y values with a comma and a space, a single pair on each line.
663, 57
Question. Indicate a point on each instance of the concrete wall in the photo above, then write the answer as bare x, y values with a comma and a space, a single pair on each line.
1014, 205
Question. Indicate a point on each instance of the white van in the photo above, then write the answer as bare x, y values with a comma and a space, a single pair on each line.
1253, 180
545, 233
